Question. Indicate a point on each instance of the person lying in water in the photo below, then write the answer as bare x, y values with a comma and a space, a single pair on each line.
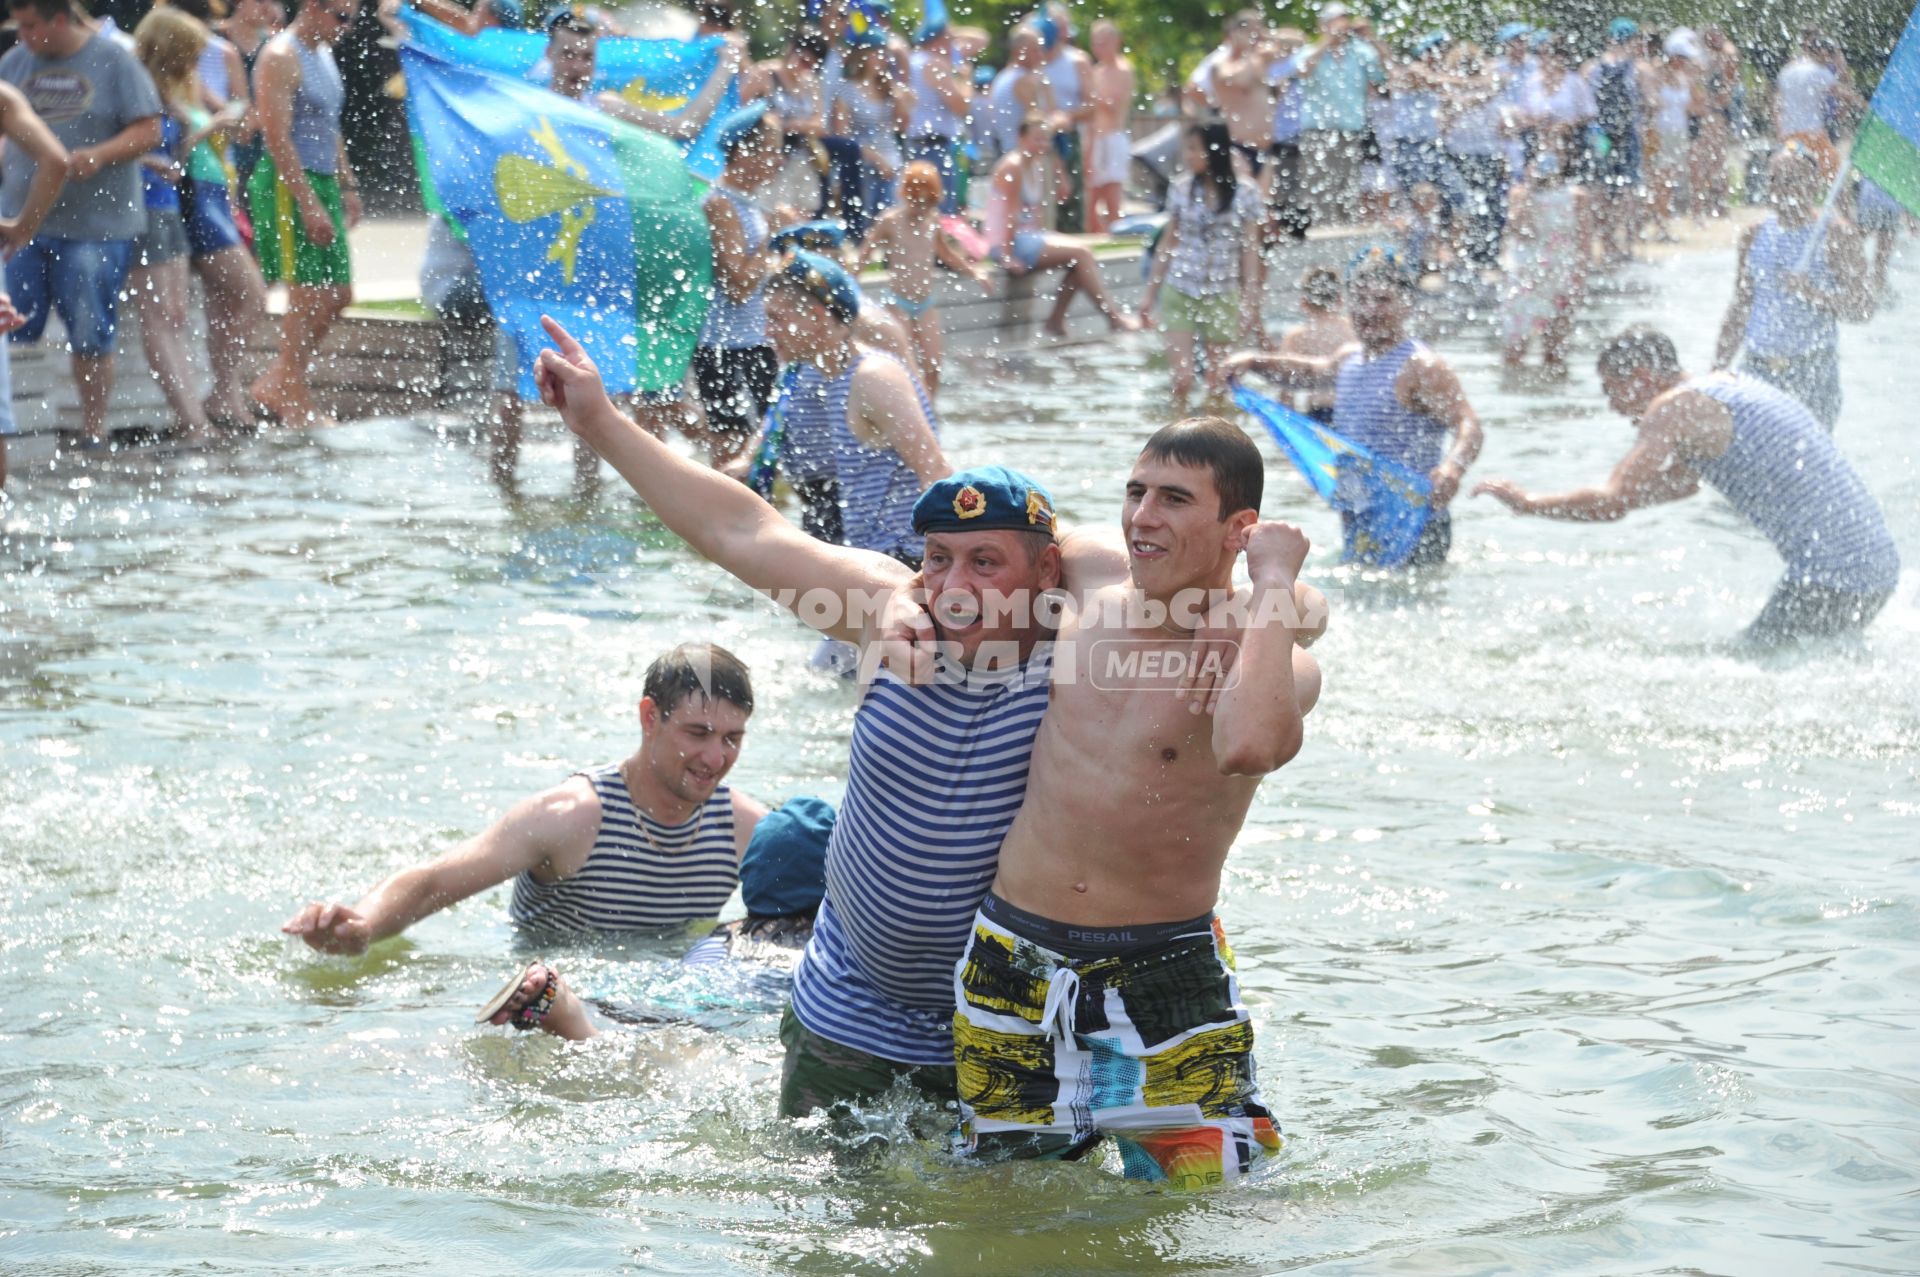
782, 880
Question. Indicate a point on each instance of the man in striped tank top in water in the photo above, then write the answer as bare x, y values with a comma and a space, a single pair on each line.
651, 841
1097, 995
1772, 461
1394, 396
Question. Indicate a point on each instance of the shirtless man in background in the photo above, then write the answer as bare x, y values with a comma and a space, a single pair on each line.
1110, 89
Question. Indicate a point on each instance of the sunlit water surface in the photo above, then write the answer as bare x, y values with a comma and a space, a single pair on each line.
1577, 942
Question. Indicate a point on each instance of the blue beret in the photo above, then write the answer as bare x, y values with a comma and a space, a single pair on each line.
983, 76
866, 38
826, 282
983, 499
1622, 29
738, 127
811, 235
784, 869
1512, 31
1049, 30
1429, 42
1376, 261
930, 31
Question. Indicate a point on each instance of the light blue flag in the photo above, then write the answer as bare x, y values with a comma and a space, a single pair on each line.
568, 213
660, 75
1386, 504
1887, 147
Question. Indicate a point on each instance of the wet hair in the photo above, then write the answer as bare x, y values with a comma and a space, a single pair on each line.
697, 669
716, 13
47, 9
204, 10
1030, 122
1640, 348
1320, 286
1220, 176
1239, 472
571, 23
920, 184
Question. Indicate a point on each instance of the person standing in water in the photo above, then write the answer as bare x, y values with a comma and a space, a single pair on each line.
1799, 275
1110, 90
911, 239
1771, 460
303, 197
1395, 397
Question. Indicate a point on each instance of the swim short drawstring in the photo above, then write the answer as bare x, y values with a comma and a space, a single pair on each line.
1063, 994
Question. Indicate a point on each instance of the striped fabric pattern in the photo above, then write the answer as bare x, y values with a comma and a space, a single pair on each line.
1781, 325
634, 882
934, 778
1367, 410
1787, 477
877, 488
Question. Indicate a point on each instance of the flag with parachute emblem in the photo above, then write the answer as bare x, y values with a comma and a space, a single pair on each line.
659, 75
1887, 147
568, 213
1386, 503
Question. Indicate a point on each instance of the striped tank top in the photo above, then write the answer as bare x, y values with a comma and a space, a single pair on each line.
1780, 325
1368, 411
640, 874
934, 778
733, 325
877, 487
1784, 473
317, 103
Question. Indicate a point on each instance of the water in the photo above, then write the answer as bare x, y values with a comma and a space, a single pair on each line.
1576, 942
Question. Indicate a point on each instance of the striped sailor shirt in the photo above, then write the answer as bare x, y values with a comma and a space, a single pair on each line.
934, 778
640, 874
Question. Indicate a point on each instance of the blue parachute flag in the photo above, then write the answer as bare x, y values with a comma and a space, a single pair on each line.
660, 75
1386, 503
569, 213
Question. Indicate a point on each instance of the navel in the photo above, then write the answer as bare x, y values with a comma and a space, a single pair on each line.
1169, 754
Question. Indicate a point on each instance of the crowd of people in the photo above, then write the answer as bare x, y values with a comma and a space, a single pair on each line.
1012, 909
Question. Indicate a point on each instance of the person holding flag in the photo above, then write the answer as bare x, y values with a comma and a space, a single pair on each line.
450, 278
1802, 270
1396, 397
687, 121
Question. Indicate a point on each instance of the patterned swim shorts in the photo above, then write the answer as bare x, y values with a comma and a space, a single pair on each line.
1060, 1038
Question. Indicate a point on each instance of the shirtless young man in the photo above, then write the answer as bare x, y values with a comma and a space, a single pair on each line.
1240, 89
1110, 89
909, 236
1097, 995
653, 840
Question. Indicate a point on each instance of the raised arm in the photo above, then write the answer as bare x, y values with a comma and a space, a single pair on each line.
724, 521
686, 123
1257, 725
738, 272
529, 837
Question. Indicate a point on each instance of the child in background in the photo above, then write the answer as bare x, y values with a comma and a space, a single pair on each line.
1209, 259
911, 239
1327, 332
1422, 243
1548, 231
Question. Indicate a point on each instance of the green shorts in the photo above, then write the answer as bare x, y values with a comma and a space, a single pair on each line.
280, 235
821, 1074
1216, 319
